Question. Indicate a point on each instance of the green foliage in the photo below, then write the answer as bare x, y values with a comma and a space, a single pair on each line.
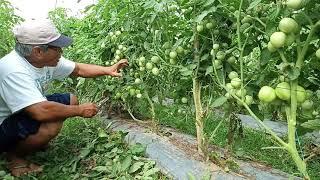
8, 20
151, 28
80, 152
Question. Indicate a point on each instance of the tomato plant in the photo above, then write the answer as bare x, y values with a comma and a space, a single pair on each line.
8, 20
240, 56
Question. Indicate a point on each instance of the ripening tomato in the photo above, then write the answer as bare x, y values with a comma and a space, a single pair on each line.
278, 39
184, 100
173, 54
267, 94
288, 25
155, 71
294, 4
200, 28
318, 53
233, 75
149, 65
283, 91
155, 59
236, 83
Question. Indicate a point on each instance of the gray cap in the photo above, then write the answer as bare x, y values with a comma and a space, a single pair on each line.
40, 32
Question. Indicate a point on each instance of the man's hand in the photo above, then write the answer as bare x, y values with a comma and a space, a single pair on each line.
114, 69
88, 110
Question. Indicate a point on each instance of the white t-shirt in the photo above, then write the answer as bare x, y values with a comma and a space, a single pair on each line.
22, 84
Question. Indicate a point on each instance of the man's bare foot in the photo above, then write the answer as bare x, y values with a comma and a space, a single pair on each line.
19, 166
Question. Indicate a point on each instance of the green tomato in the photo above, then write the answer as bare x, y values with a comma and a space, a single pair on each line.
233, 75
142, 59
180, 50
215, 47
173, 61
241, 92
278, 39
138, 91
142, 68
155, 71
173, 54
225, 45
307, 105
209, 25
184, 100
118, 52
132, 92
267, 94
139, 96
140, 64
294, 4
120, 47
200, 28
155, 59
216, 32
318, 53
283, 91
288, 25
229, 86
301, 94
220, 55
231, 60
118, 95
236, 83
117, 57
137, 81
149, 65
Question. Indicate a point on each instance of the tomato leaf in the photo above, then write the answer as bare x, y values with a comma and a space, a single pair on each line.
254, 4
293, 73
219, 102
199, 18
312, 124
136, 166
209, 70
265, 57
126, 163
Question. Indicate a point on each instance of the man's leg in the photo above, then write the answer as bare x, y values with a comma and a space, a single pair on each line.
33, 143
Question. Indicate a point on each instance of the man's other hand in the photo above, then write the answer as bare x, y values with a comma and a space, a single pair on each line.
88, 110
116, 67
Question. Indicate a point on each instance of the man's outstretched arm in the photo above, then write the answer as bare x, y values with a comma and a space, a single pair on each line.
91, 70
49, 111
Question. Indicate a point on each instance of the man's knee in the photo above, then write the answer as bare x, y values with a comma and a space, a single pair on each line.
73, 100
51, 129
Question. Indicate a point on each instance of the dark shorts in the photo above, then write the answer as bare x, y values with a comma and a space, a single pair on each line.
20, 125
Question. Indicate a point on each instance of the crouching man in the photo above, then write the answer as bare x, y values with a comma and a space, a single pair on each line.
29, 119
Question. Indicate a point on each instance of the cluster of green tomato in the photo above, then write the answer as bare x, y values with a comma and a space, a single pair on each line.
234, 87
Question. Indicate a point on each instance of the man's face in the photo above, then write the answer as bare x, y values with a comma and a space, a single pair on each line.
50, 57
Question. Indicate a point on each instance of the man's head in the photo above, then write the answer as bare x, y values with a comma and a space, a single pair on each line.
40, 42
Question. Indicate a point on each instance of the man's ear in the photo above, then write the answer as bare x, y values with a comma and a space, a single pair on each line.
37, 52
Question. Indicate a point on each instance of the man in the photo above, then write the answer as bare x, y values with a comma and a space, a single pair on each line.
28, 118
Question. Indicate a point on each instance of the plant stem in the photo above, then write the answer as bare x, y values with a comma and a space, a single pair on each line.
153, 114
199, 116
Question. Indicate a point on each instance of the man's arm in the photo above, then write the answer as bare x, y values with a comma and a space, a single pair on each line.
91, 70
49, 111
